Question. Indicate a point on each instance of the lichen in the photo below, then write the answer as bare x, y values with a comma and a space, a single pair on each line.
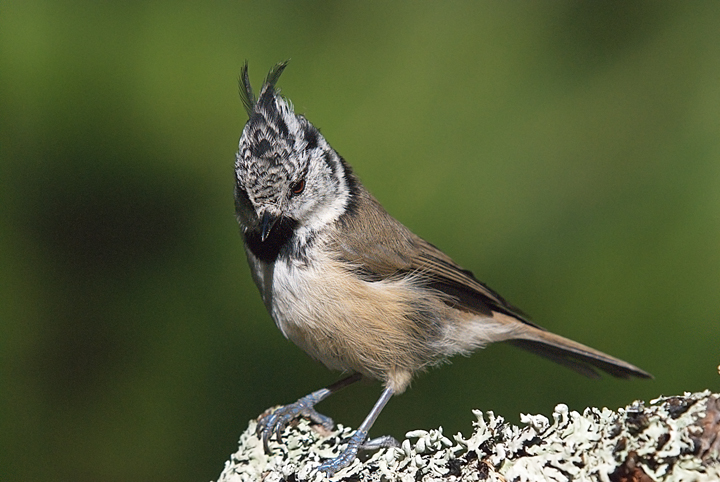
671, 439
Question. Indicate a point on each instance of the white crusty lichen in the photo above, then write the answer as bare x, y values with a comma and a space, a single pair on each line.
671, 439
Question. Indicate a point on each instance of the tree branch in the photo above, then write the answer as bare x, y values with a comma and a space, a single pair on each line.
671, 439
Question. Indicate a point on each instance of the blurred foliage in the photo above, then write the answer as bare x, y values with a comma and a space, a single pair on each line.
567, 152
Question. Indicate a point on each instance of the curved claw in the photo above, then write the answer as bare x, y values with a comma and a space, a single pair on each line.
355, 442
386, 441
275, 423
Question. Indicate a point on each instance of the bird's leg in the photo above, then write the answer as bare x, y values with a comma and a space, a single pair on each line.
276, 422
357, 441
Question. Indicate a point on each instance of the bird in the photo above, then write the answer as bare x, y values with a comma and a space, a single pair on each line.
351, 285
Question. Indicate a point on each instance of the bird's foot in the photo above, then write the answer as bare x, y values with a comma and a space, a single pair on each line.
355, 443
275, 423
329, 467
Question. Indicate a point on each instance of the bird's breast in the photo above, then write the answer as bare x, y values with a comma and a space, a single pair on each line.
385, 329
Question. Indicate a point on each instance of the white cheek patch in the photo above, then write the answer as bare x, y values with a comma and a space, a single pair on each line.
329, 196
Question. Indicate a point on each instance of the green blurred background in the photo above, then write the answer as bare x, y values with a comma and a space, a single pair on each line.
567, 152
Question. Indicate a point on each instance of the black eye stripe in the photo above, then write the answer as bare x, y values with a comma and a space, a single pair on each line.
311, 138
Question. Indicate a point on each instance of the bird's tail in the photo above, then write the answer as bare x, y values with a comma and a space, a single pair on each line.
574, 355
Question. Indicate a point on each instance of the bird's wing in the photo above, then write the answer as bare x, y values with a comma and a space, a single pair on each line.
401, 253
472, 295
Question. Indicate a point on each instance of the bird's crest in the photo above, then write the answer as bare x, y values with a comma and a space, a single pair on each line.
246, 92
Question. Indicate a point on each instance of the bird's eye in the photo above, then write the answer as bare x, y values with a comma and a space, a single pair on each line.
298, 187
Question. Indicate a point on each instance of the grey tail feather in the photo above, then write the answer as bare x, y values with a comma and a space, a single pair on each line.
582, 359
246, 92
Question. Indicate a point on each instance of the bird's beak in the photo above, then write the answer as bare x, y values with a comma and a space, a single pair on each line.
266, 224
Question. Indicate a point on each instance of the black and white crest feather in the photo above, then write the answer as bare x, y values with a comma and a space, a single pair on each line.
246, 92
273, 149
